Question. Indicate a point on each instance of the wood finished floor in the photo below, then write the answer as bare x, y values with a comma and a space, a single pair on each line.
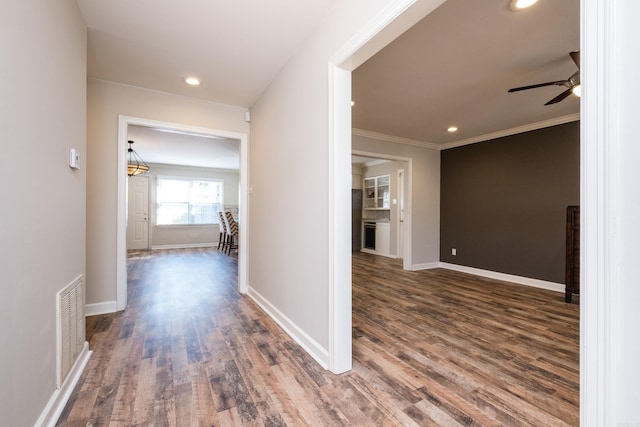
431, 347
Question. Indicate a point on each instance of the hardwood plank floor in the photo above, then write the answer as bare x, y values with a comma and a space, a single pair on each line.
431, 347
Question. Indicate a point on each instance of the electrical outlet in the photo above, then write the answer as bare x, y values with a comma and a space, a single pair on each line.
454, 251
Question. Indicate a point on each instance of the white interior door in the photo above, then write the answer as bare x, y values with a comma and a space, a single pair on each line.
400, 248
138, 213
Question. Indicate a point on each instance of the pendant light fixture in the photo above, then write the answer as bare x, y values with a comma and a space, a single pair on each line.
135, 166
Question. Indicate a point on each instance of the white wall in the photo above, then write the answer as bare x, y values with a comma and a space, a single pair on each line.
424, 193
192, 234
42, 214
627, 289
106, 101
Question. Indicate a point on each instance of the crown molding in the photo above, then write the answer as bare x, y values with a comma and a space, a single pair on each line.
513, 131
486, 137
391, 138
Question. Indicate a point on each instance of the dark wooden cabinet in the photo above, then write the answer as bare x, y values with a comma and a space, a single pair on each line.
572, 266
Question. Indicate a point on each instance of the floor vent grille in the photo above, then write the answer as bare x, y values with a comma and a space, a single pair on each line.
70, 327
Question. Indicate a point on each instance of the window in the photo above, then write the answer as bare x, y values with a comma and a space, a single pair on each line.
184, 201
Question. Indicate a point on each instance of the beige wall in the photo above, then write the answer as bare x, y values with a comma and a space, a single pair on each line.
106, 101
192, 234
42, 214
356, 176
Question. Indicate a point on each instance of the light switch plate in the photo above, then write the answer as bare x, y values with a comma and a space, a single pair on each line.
74, 159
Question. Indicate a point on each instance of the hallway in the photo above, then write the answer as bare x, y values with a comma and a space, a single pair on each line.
430, 348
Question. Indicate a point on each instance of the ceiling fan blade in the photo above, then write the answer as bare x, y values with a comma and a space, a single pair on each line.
558, 83
560, 97
575, 55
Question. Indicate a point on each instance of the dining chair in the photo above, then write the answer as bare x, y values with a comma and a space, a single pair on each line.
222, 239
232, 232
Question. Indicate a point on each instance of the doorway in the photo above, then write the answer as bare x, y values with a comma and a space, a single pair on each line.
598, 140
121, 233
399, 218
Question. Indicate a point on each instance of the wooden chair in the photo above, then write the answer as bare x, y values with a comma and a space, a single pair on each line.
232, 232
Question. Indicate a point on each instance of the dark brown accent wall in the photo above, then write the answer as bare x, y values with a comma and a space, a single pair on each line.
503, 202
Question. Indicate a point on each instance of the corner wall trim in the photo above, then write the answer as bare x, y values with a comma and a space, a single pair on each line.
60, 397
311, 346
100, 308
527, 281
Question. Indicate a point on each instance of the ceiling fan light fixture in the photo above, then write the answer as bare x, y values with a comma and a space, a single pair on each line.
522, 4
577, 90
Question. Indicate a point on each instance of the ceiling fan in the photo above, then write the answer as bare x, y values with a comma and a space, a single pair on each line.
572, 83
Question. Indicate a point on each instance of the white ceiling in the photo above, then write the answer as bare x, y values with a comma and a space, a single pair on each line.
235, 47
172, 148
453, 67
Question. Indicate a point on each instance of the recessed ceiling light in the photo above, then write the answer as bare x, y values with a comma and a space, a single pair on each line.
522, 4
353, 103
452, 129
192, 81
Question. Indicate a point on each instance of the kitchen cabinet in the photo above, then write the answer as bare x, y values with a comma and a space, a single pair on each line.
376, 192
376, 237
383, 237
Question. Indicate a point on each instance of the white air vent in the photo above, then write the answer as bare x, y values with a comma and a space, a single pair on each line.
70, 326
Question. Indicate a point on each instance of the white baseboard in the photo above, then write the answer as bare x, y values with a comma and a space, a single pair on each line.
374, 252
536, 283
186, 245
100, 308
311, 346
57, 402
425, 266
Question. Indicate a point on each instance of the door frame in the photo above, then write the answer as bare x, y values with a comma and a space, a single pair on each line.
599, 151
400, 225
407, 168
396, 17
121, 223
